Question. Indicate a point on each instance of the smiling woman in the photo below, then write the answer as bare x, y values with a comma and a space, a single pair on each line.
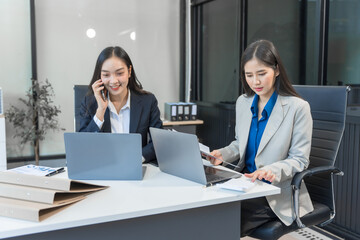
116, 101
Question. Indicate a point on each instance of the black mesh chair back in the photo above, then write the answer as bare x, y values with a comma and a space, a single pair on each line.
328, 110
79, 94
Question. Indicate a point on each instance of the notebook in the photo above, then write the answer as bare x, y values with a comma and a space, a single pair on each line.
178, 154
103, 156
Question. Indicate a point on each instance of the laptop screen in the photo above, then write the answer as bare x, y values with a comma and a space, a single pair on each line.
103, 156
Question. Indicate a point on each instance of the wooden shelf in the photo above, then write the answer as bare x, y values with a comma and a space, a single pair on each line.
174, 123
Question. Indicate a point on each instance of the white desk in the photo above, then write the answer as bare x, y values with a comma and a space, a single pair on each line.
160, 206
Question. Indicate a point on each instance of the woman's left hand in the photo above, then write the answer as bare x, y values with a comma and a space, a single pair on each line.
261, 174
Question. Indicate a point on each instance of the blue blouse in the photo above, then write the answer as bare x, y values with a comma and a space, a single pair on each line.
257, 129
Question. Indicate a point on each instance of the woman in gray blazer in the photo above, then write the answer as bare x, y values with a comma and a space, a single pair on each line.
272, 136
117, 103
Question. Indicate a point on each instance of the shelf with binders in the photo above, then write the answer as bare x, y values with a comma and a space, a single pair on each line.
180, 111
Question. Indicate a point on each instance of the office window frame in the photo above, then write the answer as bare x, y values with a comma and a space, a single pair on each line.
196, 18
322, 21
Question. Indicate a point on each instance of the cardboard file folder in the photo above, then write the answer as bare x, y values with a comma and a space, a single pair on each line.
32, 211
61, 184
41, 195
34, 198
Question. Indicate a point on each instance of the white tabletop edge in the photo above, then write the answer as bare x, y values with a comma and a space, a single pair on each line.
225, 196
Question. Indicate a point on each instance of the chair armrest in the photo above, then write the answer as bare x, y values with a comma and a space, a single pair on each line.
296, 183
298, 177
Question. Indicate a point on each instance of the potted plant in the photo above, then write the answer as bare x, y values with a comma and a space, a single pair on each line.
37, 117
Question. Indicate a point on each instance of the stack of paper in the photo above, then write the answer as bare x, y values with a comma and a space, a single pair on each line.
34, 198
238, 184
37, 170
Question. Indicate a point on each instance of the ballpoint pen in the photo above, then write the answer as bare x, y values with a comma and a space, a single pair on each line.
209, 184
205, 154
233, 165
60, 170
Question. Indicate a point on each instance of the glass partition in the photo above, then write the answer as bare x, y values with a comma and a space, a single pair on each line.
71, 34
279, 22
312, 42
219, 51
344, 43
15, 62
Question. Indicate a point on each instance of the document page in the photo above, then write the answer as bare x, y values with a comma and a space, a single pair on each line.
237, 184
37, 170
204, 148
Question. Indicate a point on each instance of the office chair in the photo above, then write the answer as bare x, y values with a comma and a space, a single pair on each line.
79, 94
328, 110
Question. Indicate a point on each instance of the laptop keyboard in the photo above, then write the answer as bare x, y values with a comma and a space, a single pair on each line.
213, 178
214, 175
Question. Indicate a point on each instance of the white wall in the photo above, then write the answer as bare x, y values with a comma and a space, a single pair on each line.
15, 62
66, 56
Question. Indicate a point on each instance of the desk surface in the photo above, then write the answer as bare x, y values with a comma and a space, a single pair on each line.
157, 193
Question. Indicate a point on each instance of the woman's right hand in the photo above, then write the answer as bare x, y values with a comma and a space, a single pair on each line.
217, 154
97, 87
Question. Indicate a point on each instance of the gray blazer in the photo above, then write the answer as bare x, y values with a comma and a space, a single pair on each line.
284, 149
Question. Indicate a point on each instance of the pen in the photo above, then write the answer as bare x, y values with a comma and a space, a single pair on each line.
209, 184
230, 164
60, 170
209, 155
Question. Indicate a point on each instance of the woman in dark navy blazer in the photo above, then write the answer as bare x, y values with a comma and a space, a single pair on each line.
116, 101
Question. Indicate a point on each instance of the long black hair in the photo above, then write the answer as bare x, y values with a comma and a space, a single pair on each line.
134, 84
265, 52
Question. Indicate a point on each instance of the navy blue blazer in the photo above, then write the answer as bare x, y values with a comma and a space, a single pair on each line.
144, 113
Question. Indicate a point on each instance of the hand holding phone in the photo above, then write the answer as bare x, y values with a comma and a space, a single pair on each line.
100, 93
104, 91
214, 160
104, 94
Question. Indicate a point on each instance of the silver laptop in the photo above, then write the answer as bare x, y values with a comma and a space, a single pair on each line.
103, 156
179, 154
